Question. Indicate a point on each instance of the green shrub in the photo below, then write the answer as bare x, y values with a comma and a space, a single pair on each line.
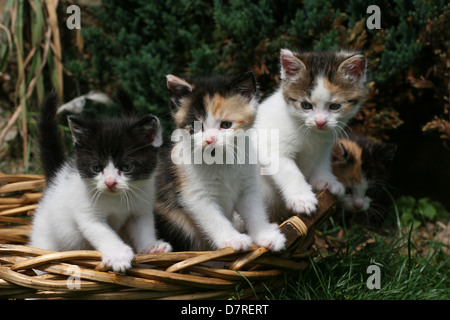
139, 42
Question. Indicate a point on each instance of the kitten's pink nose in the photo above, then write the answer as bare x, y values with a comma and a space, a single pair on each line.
321, 123
110, 184
211, 135
358, 205
210, 139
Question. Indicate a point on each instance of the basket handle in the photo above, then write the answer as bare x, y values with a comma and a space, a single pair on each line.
296, 228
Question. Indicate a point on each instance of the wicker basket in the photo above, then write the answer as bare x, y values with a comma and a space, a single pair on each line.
220, 274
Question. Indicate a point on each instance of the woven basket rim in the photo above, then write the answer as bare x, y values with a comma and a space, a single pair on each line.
171, 275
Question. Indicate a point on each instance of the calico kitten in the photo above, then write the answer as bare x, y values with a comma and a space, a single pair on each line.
103, 196
362, 166
319, 93
196, 199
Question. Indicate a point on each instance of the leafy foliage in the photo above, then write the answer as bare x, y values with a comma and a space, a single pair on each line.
416, 212
140, 42
134, 44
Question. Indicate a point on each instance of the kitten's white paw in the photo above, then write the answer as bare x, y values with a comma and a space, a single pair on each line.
118, 259
320, 184
237, 242
158, 247
334, 186
272, 239
337, 188
304, 203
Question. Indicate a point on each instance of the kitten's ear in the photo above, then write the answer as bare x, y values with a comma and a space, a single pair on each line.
245, 85
385, 151
79, 129
391, 149
178, 88
291, 67
339, 154
353, 68
149, 128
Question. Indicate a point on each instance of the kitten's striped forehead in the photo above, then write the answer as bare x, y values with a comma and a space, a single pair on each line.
216, 108
233, 108
214, 99
321, 79
325, 92
322, 92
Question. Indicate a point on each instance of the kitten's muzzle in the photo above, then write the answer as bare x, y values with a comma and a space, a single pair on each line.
210, 140
111, 184
321, 123
211, 136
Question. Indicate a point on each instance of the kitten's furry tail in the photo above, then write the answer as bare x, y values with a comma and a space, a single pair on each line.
50, 140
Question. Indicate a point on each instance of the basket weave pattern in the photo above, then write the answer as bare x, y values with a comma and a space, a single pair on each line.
219, 274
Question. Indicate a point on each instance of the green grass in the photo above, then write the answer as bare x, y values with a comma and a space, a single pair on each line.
409, 270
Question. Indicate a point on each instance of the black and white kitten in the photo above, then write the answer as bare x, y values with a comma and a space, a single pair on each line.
102, 197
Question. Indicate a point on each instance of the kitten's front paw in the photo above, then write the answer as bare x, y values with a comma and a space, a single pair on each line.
118, 259
303, 203
271, 239
334, 186
337, 188
158, 247
237, 242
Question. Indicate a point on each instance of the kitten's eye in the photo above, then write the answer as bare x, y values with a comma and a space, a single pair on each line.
126, 167
335, 106
226, 124
306, 105
348, 190
96, 169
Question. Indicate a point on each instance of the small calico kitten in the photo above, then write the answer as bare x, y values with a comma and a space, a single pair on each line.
362, 166
103, 196
196, 200
319, 93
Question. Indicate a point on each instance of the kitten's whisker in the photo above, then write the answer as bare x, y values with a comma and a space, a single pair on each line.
135, 192
335, 133
194, 149
127, 205
96, 196
239, 152
304, 130
343, 128
137, 189
341, 133
128, 200
374, 214
121, 198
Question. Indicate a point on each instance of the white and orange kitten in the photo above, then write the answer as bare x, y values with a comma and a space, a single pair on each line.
197, 200
319, 93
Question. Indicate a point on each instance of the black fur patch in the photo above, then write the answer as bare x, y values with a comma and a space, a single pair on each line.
50, 139
244, 85
125, 140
